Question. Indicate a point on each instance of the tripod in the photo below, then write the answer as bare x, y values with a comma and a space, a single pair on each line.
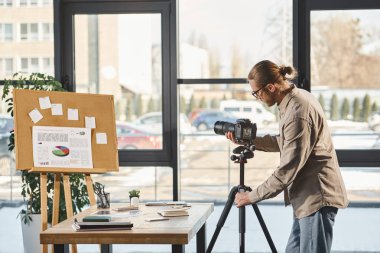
246, 152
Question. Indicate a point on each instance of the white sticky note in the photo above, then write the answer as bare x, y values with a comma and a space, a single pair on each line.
72, 114
89, 122
56, 109
45, 102
101, 138
35, 115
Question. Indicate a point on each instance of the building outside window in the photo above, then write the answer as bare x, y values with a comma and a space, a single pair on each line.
6, 32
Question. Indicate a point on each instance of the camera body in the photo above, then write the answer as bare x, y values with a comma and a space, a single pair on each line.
244, 130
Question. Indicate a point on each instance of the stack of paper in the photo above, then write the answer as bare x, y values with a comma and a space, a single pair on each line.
93, 226
173, 211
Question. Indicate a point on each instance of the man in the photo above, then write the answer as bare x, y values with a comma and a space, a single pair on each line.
308, 173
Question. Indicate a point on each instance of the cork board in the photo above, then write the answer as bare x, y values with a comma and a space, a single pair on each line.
104, 156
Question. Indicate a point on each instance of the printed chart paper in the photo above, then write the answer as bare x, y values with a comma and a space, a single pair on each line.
62, 147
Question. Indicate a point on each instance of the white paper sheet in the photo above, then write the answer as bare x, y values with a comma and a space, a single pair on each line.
56, 109
62, 147
101, 138
89, 122
72, 114
44, 102
35, 115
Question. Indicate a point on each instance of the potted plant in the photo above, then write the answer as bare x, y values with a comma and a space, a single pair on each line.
30, 189
134, 196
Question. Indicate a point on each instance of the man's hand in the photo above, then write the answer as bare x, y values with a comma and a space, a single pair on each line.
231, 137
242, 199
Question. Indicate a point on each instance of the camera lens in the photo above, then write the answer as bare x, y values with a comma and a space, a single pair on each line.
222, 127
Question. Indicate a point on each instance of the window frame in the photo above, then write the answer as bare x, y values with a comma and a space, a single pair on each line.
301, 58
64, 69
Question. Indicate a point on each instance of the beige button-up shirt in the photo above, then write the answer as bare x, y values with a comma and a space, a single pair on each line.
308, 172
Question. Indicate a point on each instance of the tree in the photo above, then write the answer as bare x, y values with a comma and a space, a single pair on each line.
128, 110
182, 104
334, 108
191, 105
214, 103
202, 103
366, 107
356, 110
374, 107
151, 105
345, 109
337, 53
138, 108
321, 100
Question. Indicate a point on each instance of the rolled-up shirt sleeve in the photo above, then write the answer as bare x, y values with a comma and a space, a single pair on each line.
297, 146
267, 143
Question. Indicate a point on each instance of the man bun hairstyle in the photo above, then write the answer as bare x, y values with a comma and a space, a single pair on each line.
265, 72
287, 72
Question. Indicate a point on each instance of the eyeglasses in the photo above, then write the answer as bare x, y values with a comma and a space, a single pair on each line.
255, 93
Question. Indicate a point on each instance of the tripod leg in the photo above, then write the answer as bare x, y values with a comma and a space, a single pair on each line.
264, 228
242, 229
223, 217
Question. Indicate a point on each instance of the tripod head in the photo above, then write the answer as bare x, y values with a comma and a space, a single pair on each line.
245, 152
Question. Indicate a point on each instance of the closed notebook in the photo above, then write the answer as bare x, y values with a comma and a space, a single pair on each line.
93, 226
96, 218
173, 211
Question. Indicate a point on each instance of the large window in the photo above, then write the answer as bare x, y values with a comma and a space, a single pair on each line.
215, 58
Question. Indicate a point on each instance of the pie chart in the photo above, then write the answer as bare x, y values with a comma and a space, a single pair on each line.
61, 151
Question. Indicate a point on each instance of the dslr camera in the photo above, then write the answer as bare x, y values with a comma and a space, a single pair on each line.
244, 131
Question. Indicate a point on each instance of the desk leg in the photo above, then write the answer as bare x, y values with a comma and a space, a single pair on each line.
61, 248
178, 248
201, 239
106, 248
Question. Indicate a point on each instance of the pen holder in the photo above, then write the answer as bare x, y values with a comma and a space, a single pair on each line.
103, 200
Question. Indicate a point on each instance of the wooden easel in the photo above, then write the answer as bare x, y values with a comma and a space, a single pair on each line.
68, 200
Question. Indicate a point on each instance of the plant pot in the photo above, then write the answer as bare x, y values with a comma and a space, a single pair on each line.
135, 201
31, 234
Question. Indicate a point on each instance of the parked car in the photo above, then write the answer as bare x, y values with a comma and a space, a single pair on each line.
206, 119
130, 136
374, 121
154, 121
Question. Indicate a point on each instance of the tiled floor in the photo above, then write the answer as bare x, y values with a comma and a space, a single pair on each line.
356, 230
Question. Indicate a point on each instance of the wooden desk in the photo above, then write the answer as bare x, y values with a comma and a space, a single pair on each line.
176, 231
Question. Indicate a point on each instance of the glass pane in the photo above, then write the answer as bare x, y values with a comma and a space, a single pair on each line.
126, 62
8, 32
8, 66
20, 25
348, 84
226, 43
154, 183
10, 187
205, 153
24, 65
23, 31
33, 32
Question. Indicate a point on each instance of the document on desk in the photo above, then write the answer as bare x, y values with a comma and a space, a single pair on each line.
62, 147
